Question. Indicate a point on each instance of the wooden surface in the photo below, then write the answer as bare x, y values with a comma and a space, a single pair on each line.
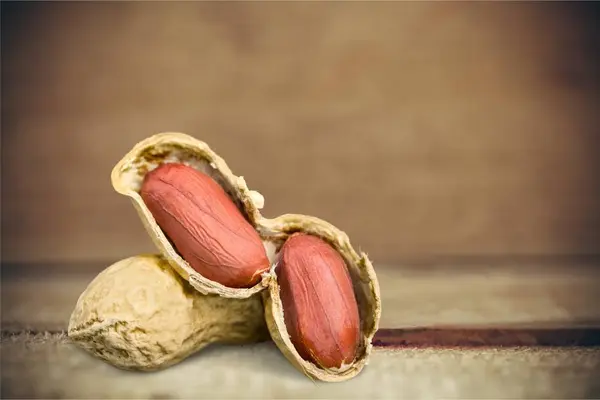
420, 128
47, 366
40, 297
455, 331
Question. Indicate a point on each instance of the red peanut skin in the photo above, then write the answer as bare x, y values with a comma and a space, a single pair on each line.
319, 306
204, 225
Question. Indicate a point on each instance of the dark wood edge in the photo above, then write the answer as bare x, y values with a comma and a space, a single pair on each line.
477, 337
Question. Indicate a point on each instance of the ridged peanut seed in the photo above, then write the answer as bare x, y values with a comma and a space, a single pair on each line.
320, 309
204, 225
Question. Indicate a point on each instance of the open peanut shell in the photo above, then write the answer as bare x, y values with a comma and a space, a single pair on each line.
127, 177
364, 282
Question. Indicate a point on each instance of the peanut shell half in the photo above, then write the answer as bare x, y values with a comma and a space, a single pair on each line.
139, 314
365, 284
127, 178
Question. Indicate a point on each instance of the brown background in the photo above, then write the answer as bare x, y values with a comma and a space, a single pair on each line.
422, 129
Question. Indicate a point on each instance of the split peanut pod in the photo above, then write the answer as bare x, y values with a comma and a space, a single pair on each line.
189, 211
309, 307
321, 297
139, 314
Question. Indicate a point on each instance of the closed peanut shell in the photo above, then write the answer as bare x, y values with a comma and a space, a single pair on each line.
139, 314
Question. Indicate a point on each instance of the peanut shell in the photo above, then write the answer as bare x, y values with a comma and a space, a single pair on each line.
139, 314
366, 291
127, 177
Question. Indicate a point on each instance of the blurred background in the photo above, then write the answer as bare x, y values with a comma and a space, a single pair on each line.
422, 129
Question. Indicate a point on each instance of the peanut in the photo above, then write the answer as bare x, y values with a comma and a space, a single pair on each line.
320, 309
331, 334
139, 314
204, 225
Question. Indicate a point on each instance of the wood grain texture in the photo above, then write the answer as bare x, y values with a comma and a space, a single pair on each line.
48, 366
39, 297
486, 337
420, 128
466, 332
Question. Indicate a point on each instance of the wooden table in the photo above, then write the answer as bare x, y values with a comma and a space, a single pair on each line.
520, 330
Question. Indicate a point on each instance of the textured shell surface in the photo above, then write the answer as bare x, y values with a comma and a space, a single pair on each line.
129, 173
365, 285
140, 314
127, 177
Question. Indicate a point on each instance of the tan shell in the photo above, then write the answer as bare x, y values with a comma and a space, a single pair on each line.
127, 176
366, 290
139, 314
